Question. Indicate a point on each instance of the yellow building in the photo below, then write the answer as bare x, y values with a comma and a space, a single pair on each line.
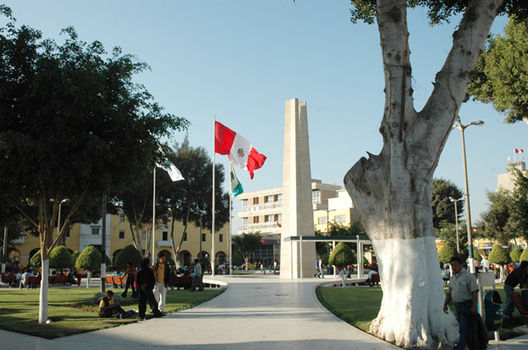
119, 235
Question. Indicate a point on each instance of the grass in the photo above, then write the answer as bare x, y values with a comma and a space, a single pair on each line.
359, 306
70, 310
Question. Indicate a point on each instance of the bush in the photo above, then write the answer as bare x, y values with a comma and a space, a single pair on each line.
446, 253
324, 258
60, 257
128, 253
498, 255
476, 254
238, 260
515, 254
342, 256
89, 259
524, 255
35, 259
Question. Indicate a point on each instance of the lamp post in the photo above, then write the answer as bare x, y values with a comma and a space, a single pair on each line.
59, 218
462, 127
455, 201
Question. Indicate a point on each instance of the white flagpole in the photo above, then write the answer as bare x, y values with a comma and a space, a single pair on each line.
213, 204
154, 213
230, 224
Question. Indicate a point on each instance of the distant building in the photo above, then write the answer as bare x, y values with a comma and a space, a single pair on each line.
506, 181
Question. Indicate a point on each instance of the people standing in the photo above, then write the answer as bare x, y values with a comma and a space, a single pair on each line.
130, 278
518, 276
463, 292
162, 274
197, 276
145, 284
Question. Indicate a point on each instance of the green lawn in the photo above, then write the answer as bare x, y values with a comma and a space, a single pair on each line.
71, 311
360, 305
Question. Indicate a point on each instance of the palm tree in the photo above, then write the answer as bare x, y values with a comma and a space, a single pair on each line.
246, 243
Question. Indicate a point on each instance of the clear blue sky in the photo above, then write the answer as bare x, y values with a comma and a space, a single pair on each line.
241, 59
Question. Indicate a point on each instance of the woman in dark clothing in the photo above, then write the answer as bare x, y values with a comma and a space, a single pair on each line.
516, 277
145, 283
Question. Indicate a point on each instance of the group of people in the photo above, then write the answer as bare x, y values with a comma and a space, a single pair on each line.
463, 292
150, 284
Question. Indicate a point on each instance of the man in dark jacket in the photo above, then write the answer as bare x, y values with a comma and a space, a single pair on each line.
145, 284
516, 277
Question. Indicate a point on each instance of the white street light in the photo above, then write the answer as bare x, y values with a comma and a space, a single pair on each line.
455, 201
462, 127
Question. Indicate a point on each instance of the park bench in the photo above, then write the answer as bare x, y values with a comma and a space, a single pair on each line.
116, 280
58, 279
184, 282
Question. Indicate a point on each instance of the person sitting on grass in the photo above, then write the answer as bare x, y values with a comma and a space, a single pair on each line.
109, 308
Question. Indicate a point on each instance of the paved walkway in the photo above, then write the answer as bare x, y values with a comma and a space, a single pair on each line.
254, 313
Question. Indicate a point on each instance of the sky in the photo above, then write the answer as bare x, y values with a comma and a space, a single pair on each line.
240, 60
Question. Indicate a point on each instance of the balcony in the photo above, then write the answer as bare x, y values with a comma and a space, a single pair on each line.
162, 243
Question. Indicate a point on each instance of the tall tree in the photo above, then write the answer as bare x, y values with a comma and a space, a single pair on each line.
392, 190
189, 201
501, 74
73, 123
497, 222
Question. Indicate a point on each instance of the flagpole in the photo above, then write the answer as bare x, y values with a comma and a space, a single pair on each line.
230, 223
213, 204
154, 212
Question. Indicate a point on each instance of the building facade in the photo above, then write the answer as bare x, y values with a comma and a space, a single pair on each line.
119, 235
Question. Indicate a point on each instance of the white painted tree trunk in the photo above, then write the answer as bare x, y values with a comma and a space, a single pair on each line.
392, 190
43, 294
88, 276
343, 277
502, 274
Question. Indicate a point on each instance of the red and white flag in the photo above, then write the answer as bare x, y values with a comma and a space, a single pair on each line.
519, 150
239, 150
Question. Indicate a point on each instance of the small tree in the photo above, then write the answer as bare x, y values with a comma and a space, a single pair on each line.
524, 255
128, 253
499, 256
515, 254
89, 260
60, 257
341, 257
245, 244
446, 253
476, 255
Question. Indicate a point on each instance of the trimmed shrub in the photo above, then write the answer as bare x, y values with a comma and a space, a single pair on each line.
35, 259
515, 254
89, 259
342, 256
60, 257
476, 254
74, 257
446, 253
324, 258
498, 255
128, 253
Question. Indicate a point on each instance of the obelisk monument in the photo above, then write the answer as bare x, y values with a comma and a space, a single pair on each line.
297, 205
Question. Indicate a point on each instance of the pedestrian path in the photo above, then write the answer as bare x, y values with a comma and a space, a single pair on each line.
254, 313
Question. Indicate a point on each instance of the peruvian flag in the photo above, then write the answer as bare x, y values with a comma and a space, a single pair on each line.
519, 150
239, 150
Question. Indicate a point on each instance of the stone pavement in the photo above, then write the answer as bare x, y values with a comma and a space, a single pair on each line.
254, 313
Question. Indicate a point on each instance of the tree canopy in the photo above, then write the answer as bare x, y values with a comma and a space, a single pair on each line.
501, 74
499, 255
89, 259
246, 243
60, 257
446, 253
126, 255
443, 207
342, 256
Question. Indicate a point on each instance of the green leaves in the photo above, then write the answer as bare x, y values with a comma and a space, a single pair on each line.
127, 254
342, 256
498, 255
501, 74
89, 259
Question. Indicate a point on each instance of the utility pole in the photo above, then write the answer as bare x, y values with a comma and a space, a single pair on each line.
103, 244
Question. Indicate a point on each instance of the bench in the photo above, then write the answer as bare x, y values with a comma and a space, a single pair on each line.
57, 279
184, 282
116, 281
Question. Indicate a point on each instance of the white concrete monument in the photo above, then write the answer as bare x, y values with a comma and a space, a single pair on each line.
296, 261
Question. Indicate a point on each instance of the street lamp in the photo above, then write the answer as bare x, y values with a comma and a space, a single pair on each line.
455, 201
59, 219
462, 127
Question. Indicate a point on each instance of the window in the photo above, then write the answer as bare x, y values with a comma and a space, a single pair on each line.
121, 234
67, 232
278, 197
316, 197
203, 237
268, 199
255, 219
321, 220
244, 222
244, 204
121, 217
220, 237
164, 236
185, 236
340, 219
144, 236
268, 218
255, 201
95, 230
